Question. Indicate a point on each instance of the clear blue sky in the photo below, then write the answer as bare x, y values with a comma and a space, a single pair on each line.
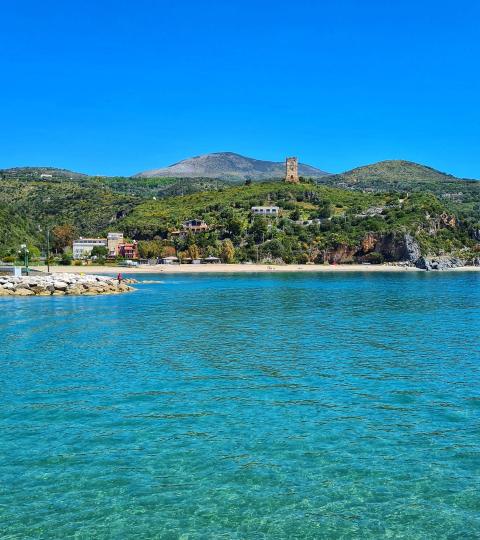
116, 87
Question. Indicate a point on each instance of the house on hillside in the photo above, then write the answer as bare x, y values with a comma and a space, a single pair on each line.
193, 226
265, 210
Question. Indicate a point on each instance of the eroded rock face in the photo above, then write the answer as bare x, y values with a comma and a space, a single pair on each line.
403, 248
439, 263
61, 285
369, 243
341, 254
393, 247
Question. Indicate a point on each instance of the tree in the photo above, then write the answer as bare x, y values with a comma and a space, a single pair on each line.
227, 253
62, 236
66, 259
274, 249
99, 252
234, 225
193, 251
296, 215
259, 228
374, 258
150, 249
325, 210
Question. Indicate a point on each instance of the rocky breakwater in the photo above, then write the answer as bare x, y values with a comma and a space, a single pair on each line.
61, 285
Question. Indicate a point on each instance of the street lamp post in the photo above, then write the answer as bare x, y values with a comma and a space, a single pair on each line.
48, 249
25, 257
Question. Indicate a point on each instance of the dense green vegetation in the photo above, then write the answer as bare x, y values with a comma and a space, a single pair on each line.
345, 219
352, 213
33, 206
155, 187
459, 196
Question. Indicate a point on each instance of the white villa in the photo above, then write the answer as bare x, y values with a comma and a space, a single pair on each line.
265, 210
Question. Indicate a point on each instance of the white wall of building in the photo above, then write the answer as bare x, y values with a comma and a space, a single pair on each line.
83, 246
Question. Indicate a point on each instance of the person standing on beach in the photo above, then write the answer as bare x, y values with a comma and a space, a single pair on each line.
119, 277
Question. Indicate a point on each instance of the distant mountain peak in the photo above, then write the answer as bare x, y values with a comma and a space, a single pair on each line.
230, 166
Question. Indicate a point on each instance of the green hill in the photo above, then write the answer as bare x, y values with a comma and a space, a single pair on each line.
39, 173
35, 205
394, 171
346, 225
461, 196
373, 212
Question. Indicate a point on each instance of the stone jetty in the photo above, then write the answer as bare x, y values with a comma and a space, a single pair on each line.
62, 284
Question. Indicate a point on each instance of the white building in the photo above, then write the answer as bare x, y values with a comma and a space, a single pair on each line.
83, 246
265, 210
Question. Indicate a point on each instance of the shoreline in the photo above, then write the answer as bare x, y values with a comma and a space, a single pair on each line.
242, 269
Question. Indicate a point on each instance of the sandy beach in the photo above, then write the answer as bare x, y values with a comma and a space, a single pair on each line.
239, 268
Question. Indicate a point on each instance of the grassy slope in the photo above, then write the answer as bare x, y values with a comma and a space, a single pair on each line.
417, 214
38, 204
167, 213
459, 195
91, 204
156, 187
95, 204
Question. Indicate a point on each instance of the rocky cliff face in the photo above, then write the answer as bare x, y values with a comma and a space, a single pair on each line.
401, 248
388, 247
392, 247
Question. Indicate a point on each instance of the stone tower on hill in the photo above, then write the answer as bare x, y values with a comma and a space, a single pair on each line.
291, 170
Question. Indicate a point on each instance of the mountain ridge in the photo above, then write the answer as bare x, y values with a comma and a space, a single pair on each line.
228, 165
36, 172
393, 170
397, 169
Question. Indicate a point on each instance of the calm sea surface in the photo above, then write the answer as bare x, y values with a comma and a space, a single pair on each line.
247, 407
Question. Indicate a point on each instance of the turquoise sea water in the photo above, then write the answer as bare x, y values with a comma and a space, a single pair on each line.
246, 407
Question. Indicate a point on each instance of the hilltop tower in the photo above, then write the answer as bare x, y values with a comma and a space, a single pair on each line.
291, 170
